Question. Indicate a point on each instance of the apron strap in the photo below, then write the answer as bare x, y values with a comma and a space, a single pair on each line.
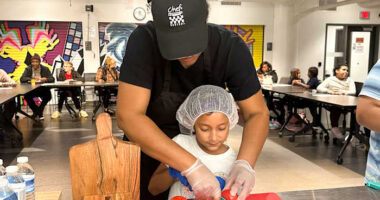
167, 78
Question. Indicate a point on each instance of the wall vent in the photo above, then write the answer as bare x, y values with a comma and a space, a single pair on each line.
231, 3
328, 2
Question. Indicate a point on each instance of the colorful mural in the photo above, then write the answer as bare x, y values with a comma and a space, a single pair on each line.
253, 36
55, 42
113, 38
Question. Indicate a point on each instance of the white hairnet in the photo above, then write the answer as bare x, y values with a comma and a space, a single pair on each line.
206, 99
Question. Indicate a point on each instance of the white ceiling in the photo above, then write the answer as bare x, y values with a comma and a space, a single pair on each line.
363, 3
304, 7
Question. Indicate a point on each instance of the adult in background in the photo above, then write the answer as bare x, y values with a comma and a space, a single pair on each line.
368, 115
107, 74
7, 109
69, 74
164, 61
40, 74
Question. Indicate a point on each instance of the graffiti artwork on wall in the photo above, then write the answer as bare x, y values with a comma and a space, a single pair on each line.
55, 42
253, 36
113, 38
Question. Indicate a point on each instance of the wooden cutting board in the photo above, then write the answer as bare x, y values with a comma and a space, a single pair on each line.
105, 165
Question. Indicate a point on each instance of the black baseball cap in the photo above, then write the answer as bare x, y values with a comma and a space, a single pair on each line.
181, 27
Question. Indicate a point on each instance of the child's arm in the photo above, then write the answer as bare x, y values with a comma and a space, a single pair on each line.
303, 85
160, 180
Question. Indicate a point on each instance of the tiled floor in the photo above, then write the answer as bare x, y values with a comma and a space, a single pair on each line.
305, 169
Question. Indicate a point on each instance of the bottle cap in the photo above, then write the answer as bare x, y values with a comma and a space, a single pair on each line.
1, 161
22, 159
3, 182
11, 169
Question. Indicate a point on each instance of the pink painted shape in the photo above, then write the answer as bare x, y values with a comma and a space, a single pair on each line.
71, 32
76, 40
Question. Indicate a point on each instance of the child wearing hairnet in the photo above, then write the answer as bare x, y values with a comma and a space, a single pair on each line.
209, 112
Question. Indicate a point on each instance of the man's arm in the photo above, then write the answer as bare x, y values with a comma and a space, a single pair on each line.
26, 75
256, 118
132, 102
368, 113
160, 180
47, 77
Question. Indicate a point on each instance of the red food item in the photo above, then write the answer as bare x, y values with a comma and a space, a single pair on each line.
178, 198
227, 195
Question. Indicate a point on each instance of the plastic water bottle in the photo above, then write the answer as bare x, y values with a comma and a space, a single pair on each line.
16, 182
2, 169
27, 173
6, 193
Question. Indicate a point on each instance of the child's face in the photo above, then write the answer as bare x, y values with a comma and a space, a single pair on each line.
211, 132
342, 72
298, 74
265, 68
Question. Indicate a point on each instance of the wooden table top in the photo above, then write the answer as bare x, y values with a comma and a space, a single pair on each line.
79, 84
7, 93
284, 88
337, 100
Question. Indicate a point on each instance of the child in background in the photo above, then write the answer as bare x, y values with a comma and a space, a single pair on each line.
311, 84
210, 112
313, 79
339, 84
295, 77
266, 70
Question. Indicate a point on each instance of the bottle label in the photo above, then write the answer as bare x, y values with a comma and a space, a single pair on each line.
13, 196
20, 192
29, 182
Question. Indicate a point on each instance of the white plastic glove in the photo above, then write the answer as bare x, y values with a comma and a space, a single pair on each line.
202, 181
241, 175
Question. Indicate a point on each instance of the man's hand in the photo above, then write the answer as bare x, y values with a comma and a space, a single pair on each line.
202, 181
241, 175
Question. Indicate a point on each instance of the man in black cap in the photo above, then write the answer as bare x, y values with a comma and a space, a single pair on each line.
40, 74
166, 59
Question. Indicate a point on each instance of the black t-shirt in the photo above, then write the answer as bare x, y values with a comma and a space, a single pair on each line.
226, 62
230, 63
313, 82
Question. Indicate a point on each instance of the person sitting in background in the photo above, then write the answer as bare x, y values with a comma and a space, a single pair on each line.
266, 70
339, 84
295, 77
268, 76
67, 74
311, 84
8, 109
109, 74
5, 79
313, 79
40, 74
205, 118
368, 115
